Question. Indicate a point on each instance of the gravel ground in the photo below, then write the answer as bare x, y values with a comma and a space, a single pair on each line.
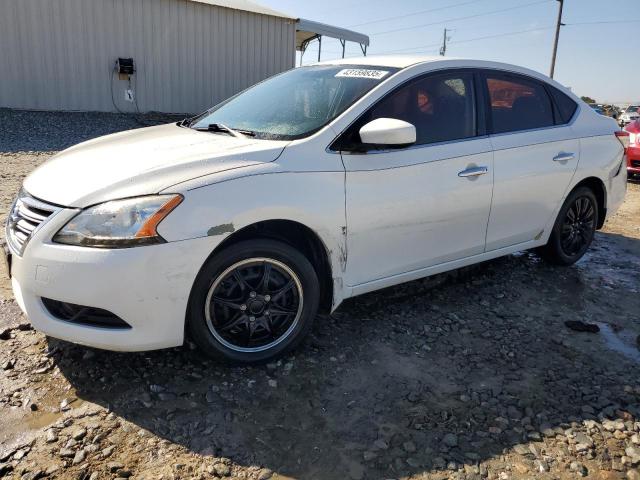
30, 138
465, 376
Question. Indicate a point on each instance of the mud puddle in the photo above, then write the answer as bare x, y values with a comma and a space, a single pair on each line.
620, 341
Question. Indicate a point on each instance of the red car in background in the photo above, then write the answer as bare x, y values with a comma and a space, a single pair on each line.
633, 152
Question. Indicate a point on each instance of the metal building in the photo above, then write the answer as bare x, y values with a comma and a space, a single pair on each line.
187, 54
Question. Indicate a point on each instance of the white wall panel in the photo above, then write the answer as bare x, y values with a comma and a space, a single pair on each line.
59, 54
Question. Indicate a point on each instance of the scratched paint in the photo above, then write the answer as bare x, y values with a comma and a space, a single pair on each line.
220, 229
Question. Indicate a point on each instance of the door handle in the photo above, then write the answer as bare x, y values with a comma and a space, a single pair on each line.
473, 172
564, 156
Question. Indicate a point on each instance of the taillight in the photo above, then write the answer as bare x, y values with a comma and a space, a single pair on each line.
623, 136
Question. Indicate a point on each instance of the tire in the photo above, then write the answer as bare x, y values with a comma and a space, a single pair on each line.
236, 317
574, 228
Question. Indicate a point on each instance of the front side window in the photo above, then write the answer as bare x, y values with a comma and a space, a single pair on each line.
297, 103
440, 106
518, 104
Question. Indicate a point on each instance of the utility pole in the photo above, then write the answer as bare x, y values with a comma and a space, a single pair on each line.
555, 43
443, 49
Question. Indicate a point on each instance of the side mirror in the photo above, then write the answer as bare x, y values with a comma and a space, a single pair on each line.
388, 131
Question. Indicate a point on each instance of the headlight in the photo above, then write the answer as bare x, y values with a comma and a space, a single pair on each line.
119, 223
633, 138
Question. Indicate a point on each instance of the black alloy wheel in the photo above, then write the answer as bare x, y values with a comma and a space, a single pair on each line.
254, 304
578, 226
253, 301
574, 228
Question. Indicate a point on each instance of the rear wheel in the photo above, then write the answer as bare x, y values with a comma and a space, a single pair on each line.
574, 228
253, 302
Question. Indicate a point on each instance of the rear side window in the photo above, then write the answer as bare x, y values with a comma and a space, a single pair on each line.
566, 106
518, 104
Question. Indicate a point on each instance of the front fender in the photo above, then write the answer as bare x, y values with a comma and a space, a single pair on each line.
313, 199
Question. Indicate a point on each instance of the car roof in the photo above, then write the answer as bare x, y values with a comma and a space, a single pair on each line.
406, 61
395, 61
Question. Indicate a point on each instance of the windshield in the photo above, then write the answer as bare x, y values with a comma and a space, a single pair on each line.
296, 103
632, 109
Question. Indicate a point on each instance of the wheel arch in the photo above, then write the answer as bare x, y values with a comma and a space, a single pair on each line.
599, 189
298, 236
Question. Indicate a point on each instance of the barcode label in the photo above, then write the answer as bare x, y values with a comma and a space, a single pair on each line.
362, 73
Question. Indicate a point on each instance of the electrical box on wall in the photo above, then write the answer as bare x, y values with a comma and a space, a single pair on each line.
125, 68
125, 65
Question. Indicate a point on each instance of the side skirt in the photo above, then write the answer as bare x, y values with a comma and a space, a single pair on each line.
440, 268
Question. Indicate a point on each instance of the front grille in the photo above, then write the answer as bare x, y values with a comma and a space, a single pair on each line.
82, 315
27, 214
635, 163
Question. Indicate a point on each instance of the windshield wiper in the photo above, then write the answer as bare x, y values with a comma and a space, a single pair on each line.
219, 127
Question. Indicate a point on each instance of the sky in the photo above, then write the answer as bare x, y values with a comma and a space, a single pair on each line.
597, 53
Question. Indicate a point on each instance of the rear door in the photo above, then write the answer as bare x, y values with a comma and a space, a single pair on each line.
535, 156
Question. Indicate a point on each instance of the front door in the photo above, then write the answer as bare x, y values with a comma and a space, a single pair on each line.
426, 204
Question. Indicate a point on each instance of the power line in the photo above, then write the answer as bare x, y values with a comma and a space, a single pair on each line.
602, 22
498, 35
432, 46
486, 37
416, 13
461, 18
506, 34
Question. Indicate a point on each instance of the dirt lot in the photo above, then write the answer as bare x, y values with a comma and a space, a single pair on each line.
472, 375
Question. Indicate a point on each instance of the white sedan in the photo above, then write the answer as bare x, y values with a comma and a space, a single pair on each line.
630, 114
236, 227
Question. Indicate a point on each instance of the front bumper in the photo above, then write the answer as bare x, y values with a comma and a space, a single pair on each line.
148, 287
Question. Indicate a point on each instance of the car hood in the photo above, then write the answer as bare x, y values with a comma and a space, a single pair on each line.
142, 162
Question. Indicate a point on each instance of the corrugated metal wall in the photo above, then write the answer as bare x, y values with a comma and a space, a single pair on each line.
59, 54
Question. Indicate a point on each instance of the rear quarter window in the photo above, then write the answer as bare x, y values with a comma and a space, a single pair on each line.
565, 106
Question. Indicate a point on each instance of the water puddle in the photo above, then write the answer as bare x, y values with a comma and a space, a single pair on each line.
622, 341
42, 420
607, 269
20, 425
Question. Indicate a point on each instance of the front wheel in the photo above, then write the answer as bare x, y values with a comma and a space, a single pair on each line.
574, 228
253, 301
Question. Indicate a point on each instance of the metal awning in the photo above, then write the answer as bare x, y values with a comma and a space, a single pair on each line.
308, 30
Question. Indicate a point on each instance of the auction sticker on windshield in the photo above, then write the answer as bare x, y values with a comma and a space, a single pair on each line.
362, 73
